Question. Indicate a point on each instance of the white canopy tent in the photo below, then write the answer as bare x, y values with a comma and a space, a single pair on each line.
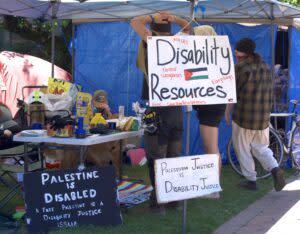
255, 11
239, 11
213, 10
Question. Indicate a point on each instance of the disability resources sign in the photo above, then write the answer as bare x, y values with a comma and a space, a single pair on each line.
186, 177
64, 199
190, 70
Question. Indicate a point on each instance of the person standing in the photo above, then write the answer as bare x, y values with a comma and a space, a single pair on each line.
164, 138
251, 115
209, 115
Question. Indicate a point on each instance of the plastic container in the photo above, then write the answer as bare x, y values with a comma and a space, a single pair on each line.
121, 113
53, 159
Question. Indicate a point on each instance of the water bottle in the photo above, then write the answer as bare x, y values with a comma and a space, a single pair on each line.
121, 113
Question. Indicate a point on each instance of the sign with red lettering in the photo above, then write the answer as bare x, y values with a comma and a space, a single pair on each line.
190, 70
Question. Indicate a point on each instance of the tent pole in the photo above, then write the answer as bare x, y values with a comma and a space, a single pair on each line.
188, 123
52, 39
273, 40
290, 34
287, 97
73, 50
52, 47
273, 58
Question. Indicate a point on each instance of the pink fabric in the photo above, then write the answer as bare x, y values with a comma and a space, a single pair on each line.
136, 155
18, 70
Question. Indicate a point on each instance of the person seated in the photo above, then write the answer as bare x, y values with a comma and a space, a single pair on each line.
101, 105
8, 128
101, 154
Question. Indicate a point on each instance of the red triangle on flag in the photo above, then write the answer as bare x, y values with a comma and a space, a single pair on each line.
187, 74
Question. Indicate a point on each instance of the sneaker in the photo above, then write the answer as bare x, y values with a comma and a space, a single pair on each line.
278, 178
248, 184
214, 196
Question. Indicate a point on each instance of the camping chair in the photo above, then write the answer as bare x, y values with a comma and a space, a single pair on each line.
23, 116
16, 167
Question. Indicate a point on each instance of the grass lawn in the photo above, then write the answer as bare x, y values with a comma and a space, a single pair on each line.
203, 215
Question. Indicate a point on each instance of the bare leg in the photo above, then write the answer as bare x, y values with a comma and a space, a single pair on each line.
209, 137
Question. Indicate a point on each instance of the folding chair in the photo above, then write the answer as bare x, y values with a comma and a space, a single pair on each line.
16, 166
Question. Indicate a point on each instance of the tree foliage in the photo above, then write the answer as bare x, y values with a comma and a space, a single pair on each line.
292, 2
38, 33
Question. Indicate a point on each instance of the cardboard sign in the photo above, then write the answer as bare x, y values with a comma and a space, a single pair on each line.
58, 86
190, 70
186, 177
62, 199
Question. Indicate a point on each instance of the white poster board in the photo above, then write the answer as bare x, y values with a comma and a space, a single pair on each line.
190, 70
186, 177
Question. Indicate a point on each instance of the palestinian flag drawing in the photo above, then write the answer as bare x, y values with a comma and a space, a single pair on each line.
196, 73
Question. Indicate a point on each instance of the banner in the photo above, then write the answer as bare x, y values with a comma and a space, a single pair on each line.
186, 177
190, 70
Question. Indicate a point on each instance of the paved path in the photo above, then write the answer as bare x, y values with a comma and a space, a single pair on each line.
275, 213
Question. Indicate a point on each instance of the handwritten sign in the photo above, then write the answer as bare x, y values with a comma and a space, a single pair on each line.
63, 199
186, 177
190, 70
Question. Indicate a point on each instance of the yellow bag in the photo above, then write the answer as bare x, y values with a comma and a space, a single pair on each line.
57, 86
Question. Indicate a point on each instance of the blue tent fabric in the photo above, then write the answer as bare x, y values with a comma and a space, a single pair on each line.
294, 82
261, 34
105, 58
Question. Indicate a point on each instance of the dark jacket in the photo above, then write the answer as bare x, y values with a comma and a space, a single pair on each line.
254, 89
6, 123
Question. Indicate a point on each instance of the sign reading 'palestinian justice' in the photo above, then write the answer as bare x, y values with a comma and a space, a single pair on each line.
186, 177
190, 70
